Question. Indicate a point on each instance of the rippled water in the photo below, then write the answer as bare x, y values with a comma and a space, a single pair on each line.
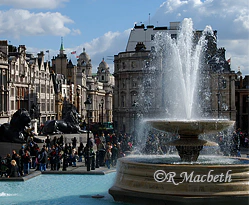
175, 159
58, 190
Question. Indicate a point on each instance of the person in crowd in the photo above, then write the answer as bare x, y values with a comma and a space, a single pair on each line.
48, 142
14, 170
114, 138
43, 159
80, 151
21, 154
54, 141
38, 156
69, 149
74, 142
101, 146
107, 138
74, 157
102, 138
108, 156
246, 141
84, 125
53, 157
97, 140
26, 162
58, 150
114, 158
8, 163
60, 141
17, 159
85, 153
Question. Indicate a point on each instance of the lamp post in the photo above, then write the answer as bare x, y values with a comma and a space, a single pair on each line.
78, 99
102, 106
99, 114
88, 107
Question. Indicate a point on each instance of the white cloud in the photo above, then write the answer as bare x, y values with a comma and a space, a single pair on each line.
238, 51
33, 4
14, 23
110, 44
76, 32
230, 18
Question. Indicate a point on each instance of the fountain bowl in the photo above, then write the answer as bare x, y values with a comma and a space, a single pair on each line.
135, 183
190, 127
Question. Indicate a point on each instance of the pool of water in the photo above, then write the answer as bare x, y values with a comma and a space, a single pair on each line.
58, 190
175, 159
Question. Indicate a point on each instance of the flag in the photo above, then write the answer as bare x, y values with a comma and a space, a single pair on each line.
229, 60
73, 52
47, 51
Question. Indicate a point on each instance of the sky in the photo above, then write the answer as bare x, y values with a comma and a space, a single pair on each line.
102, 27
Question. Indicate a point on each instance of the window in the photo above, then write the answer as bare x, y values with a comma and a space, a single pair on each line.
152, 37
102, 77
43, 105
123, 64
48, 105
52, 105
42, 88
123, 83
122, 101
12, 105
173, 36
12, 92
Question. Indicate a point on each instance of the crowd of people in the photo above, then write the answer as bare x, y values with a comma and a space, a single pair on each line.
231, 145
57, 155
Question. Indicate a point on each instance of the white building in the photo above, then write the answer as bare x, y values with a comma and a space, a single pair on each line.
140, 33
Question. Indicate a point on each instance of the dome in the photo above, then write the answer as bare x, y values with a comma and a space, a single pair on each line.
103, 65
84, 56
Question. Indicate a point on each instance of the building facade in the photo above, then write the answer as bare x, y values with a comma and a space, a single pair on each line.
131, 72
242, 102
25, 83
4, 82
80, 83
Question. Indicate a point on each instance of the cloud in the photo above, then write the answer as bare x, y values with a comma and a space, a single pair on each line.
22, 22
230, 18
33, 4
238, 51
110, 44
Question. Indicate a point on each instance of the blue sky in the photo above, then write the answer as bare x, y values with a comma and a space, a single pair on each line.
103, 26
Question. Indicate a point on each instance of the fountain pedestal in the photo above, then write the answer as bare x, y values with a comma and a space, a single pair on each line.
189, 147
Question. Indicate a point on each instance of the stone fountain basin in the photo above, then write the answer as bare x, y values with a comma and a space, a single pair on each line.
135, 183
191, 128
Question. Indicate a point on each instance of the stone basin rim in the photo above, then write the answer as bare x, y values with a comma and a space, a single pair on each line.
188, 121
126, 160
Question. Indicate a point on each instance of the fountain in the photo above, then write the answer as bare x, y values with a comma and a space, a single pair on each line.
194, 179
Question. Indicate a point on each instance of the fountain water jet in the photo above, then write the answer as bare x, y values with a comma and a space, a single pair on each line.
139, 180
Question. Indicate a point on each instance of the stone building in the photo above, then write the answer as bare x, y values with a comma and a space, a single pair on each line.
82, 84
242, 102
97, 87
4, 82
222, 87
25, 83
131, 71
130, 68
